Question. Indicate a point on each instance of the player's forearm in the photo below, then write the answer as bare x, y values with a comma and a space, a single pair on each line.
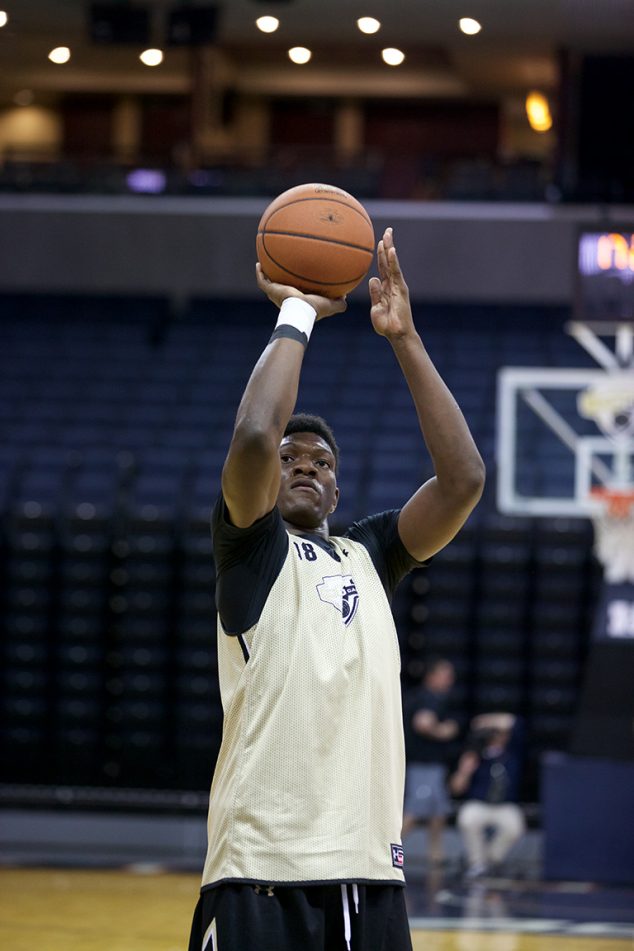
270, 395
458, 783
457, 462
251, 473
446, 730
467, 765
493, 721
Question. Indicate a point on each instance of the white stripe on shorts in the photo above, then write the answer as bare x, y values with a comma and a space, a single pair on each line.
210, 941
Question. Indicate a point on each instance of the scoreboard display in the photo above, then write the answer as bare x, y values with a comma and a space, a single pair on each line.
605, 275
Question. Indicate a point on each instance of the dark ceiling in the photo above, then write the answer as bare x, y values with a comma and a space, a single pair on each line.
516, 49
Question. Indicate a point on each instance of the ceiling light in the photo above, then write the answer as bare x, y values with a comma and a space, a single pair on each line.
469, 26
299, 55
151, 57
60, 55
538, 112
368, 25
4, 19
267, 24
392, 57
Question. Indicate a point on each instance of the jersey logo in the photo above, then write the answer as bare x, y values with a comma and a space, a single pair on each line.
398, 856
341, 592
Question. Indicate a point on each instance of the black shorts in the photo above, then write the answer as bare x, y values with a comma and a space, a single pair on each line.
314, 918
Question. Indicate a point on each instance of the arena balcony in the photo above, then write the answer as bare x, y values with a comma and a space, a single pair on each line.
374, 174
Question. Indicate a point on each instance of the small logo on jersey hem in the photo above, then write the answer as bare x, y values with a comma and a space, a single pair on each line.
398, 856
341, 592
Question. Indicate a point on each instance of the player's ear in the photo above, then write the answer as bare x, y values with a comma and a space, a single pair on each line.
336, 500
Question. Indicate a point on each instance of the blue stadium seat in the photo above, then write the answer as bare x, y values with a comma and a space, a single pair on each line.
112, 444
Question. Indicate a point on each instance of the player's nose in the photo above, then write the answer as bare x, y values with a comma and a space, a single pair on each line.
303, 465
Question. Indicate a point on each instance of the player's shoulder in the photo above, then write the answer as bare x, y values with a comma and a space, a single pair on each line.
376, 522
221, 524
381, 528
255, 545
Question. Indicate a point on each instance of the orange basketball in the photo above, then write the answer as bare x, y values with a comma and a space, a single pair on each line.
317, 238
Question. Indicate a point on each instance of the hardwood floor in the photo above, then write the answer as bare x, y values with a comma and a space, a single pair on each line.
118, 910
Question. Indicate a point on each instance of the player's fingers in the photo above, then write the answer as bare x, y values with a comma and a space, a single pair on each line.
374, 286
390, 254
336, 305
395, 267
381, 260
261, 277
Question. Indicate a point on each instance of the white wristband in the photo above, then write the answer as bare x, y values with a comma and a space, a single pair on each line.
297, 313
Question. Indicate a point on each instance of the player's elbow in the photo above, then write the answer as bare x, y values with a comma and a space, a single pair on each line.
251, 438
467, 483
475, 476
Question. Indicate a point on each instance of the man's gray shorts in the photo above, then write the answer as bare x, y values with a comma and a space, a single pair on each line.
426, 791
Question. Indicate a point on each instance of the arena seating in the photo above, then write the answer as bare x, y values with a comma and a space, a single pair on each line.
115, 418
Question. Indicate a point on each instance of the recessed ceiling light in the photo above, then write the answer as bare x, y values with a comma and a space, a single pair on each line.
368, 25
60, 55
267, 24
469, 26
4, 19
151, 57
392, 56
299, 55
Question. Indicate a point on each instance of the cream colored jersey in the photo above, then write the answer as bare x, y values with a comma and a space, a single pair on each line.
308, 786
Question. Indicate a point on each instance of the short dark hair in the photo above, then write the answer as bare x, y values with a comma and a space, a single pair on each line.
307, 423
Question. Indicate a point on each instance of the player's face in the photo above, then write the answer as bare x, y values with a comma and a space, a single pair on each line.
443, 678
308, 489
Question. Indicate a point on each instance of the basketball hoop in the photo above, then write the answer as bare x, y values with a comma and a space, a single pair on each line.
614, 532
618, 502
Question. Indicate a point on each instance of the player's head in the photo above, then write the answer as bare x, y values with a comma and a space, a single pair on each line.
440, 675
307, 423
492, 740
309, 456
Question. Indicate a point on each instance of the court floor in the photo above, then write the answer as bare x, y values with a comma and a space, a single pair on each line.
146, 910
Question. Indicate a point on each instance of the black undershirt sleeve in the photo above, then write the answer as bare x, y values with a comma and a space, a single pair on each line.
248, 561
379, 534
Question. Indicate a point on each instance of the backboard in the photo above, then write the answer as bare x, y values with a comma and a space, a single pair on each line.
564, 433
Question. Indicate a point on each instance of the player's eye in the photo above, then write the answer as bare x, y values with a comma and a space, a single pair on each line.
323, 463
286, 458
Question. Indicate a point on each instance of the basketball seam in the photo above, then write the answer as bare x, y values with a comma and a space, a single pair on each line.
337, 201
314, 237
302, 277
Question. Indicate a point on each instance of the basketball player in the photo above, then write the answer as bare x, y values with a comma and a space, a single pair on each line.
306, 802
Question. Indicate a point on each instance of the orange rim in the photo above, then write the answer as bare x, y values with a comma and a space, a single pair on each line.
618, 501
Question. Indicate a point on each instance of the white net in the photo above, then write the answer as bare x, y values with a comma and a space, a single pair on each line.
614, 537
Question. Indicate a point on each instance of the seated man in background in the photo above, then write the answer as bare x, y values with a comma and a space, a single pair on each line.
429, 736
488, 776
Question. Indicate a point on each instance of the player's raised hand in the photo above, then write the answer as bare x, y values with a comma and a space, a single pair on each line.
391, 313
277, 293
